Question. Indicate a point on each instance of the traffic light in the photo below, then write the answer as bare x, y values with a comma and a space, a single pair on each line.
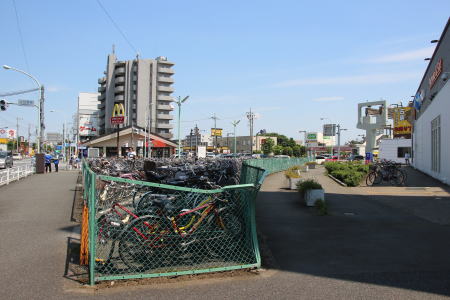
2, 105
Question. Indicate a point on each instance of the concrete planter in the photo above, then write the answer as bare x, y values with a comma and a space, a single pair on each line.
312, 166
293, 183
311, 196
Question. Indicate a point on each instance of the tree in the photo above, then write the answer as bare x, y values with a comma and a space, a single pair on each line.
287, 151
267, 146
277, 149
297, 150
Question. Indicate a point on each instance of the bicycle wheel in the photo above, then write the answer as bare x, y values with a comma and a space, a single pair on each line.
397, 178
372, 178
143, 243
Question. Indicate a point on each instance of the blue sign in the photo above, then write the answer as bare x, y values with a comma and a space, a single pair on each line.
369, 156
58, 147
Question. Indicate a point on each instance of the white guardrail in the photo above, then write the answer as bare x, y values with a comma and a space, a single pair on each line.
15, 173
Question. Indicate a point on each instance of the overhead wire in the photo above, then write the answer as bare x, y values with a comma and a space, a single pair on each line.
117, 26
21, 36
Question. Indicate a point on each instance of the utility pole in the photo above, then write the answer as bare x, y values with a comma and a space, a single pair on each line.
339, 129
41, 119
234, 123
29, 137
215, 127
251, 117
196, 132
17, 133
64, 140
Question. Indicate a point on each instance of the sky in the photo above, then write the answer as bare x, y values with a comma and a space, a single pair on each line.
291, 62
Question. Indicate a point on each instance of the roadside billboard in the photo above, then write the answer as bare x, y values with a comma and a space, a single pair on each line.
88, 125
329, 130
7, 133
311, 137
216, 131
403, 119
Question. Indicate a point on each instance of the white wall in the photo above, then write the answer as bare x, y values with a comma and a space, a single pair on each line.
422, 136
389, 149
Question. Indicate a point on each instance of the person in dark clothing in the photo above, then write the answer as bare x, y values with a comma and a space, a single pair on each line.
56, 163
48, 163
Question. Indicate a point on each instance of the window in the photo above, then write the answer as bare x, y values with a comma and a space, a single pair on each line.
402, 150
436, 144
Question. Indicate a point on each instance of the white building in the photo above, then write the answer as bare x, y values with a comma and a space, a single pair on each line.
394, 149
87, 122
431, 131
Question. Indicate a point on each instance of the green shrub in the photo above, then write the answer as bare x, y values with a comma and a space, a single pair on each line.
351, 173
308, 184
309, 163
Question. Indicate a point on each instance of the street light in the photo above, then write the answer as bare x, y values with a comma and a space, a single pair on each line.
179, 101
234, 123
41, 126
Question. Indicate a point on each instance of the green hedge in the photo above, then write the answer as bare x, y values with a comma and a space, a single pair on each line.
351, 173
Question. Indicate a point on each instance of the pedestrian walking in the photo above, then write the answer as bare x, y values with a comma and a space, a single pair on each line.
407, 156
48, 162
56, 163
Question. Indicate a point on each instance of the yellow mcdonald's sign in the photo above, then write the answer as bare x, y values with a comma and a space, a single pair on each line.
119, 110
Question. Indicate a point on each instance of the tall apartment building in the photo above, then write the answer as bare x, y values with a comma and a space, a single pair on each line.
144, 87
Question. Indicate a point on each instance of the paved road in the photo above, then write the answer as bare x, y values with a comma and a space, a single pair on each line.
377, 252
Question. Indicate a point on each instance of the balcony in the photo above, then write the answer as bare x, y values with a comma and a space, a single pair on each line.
120, 70
165, 79
165, 89
102, 80
164, 98
164, 117
102, 113
120, 80
101, 89
101, 97
166, 70
101, 106
166, 135
164, 107
119, 89
164, 126
119, 98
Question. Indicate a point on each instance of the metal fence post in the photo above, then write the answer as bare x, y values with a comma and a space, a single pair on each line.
92, 229
7, 176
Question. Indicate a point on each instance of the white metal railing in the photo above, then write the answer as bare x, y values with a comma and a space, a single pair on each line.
16, 173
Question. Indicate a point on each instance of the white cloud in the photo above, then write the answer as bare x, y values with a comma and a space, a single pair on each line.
352, 80
418, 54
332, 98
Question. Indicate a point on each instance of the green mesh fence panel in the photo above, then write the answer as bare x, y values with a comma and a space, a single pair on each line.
141, 229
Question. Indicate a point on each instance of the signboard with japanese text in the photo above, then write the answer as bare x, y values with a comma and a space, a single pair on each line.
7, 133
88, 125
216, 131
329, 130
311, 137
118, 115
403, 118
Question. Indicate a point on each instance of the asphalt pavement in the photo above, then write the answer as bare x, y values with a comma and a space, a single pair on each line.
365, 248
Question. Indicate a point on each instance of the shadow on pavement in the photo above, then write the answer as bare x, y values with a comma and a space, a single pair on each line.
375, 239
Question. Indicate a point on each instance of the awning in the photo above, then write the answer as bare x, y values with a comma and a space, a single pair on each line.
159, 144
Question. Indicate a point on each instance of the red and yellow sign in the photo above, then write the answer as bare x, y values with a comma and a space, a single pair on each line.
118, 114
402, 122
216, 131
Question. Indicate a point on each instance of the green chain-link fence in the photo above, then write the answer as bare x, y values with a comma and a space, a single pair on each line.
141, 229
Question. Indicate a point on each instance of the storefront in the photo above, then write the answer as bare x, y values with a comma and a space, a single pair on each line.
431, 131
157, 146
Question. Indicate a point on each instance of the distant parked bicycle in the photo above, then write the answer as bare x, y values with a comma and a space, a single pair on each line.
386, 171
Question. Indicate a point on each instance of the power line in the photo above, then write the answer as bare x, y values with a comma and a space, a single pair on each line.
21, 36
117, 26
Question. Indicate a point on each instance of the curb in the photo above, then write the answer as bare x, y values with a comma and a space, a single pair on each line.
337, 180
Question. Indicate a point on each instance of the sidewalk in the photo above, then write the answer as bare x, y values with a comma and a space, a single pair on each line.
377, 252
34, 229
